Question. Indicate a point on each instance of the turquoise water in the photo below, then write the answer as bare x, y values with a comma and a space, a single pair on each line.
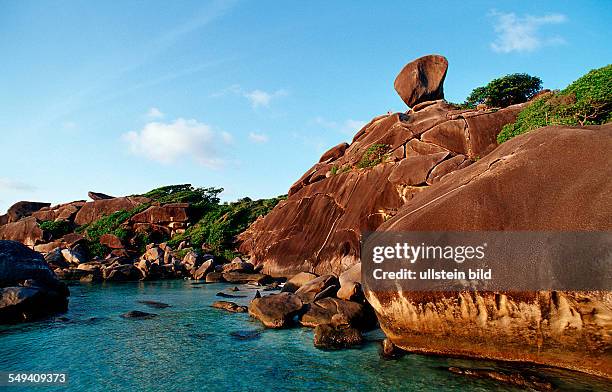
190, 347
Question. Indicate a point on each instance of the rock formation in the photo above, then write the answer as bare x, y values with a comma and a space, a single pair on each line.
355, 188
551, 179
437, 168
28, 287
422, 80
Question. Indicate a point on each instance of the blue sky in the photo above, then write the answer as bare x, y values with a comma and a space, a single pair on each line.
122, 97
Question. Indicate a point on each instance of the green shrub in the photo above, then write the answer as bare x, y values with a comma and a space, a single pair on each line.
373, 155
505, 91
586, 101
108, 224
57, 229
220, 225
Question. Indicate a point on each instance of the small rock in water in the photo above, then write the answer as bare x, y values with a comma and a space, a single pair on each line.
329, 336
224, 295
235, 289
390, 350
230, 307
137, 314
154, 304
257, 294
246, 335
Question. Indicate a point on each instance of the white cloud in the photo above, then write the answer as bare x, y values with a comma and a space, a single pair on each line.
7, 184
348, 127
178, 140
257, 98
521, 34
155, 113
258, 137
262, 98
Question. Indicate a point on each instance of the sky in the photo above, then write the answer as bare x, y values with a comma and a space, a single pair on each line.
121, 97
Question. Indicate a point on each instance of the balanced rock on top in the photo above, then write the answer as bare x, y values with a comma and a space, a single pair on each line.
422, 80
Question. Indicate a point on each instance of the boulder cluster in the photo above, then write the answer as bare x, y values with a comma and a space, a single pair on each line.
28, 287
23, 221
333, 306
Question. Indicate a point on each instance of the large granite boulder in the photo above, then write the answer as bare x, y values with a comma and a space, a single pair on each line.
323, 310
422, 80
28, 287
276, 310
27, 231
297, 281
318, 288
550, 179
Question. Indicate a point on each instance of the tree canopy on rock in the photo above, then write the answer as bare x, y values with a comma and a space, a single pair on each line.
505, 91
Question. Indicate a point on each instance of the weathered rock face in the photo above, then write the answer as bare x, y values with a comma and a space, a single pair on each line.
21, 209
94, 210
422, 80
28, 287
317, 229
176, 212
549, 179
25, 231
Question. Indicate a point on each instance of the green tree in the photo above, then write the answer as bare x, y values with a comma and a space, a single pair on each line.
587, 101
505, 91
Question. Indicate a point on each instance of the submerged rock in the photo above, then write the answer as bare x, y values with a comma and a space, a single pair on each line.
247, 334
154, 304
514, 378
137, 314
329, 336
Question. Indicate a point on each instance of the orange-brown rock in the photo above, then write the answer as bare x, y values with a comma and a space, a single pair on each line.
422, 80
317, 228
176, 212
94, 210
22, 209
111, 240
550, 179
25, 231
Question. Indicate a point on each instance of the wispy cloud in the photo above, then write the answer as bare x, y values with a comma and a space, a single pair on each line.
8, 185
155, 113
257, 98
522, 34
347, 127
179, 140
258, 137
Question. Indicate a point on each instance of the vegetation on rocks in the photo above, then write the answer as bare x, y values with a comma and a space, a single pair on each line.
220, 224
57, 229
587, 101
505, 91
109, 224
373, 155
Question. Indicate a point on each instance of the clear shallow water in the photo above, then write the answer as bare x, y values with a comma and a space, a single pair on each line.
189, 347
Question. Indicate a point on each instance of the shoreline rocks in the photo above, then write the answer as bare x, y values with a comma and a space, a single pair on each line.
29, 289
